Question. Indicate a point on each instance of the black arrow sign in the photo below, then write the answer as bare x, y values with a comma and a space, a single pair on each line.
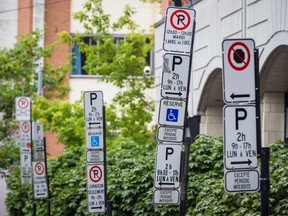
242, 162
97, 207
92, 123
168, 183
40, 194
174, 93
233, 96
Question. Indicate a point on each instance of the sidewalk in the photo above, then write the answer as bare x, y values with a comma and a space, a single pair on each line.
3, 192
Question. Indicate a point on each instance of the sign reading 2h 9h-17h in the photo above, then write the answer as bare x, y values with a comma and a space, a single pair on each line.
93, 109
240, 132
239, 70
175, 76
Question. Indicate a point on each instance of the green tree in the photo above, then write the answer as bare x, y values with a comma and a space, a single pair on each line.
122, 65
18, 78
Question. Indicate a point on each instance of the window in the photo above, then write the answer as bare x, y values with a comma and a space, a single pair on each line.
79, 58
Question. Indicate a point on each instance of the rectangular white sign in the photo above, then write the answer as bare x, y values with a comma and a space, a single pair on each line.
93, 155
93, 109
170, 134
40, 186
167, 171
25, 136
172, 112
38, 137
96, 189
175, 76
179, 29
239, 70
240, 181
25, 162
94, 138
22, 111
240, 137
166, 196
26, 180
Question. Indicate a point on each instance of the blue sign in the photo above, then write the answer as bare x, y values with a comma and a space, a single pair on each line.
172, 115
95, 141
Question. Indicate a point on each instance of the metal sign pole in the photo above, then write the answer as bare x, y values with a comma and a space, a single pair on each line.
265, 151
32, 159
47, 180
183, 196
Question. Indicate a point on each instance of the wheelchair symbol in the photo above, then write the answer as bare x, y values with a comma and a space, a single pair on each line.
172, 115
95, 141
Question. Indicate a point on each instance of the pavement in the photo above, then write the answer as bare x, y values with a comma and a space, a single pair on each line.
3, 193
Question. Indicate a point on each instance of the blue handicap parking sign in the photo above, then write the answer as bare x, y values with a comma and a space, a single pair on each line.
172, 115
95, 141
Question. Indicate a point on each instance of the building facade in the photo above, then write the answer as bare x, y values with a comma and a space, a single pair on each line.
18, 17
266, 22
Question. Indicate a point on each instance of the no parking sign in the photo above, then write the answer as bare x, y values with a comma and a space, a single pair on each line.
179, 29
22, 111
239, 70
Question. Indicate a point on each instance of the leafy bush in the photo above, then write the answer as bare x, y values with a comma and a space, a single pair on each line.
130, 168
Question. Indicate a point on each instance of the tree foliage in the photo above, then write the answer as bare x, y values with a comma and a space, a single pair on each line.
130, 169
130, 149
19, 78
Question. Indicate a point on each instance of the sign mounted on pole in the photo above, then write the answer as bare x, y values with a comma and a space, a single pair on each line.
96, 191
239, 70
94, 138
25, 136
240, 132
175, 76
22, 111
179, 29
170, 134
93, 109
167, 172
40, 187
25, 161
38, 137
166, 196
239, 181
172, 112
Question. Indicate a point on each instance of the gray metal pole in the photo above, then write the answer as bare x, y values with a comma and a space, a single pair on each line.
40, 82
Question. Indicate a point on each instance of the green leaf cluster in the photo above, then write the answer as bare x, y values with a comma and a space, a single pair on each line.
18, 77
130, 174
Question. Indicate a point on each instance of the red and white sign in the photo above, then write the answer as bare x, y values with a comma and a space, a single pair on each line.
22, 105
95, 173
96, 188
239, 56
179, 29
40, 187
25, 136
239, 70
39, 168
